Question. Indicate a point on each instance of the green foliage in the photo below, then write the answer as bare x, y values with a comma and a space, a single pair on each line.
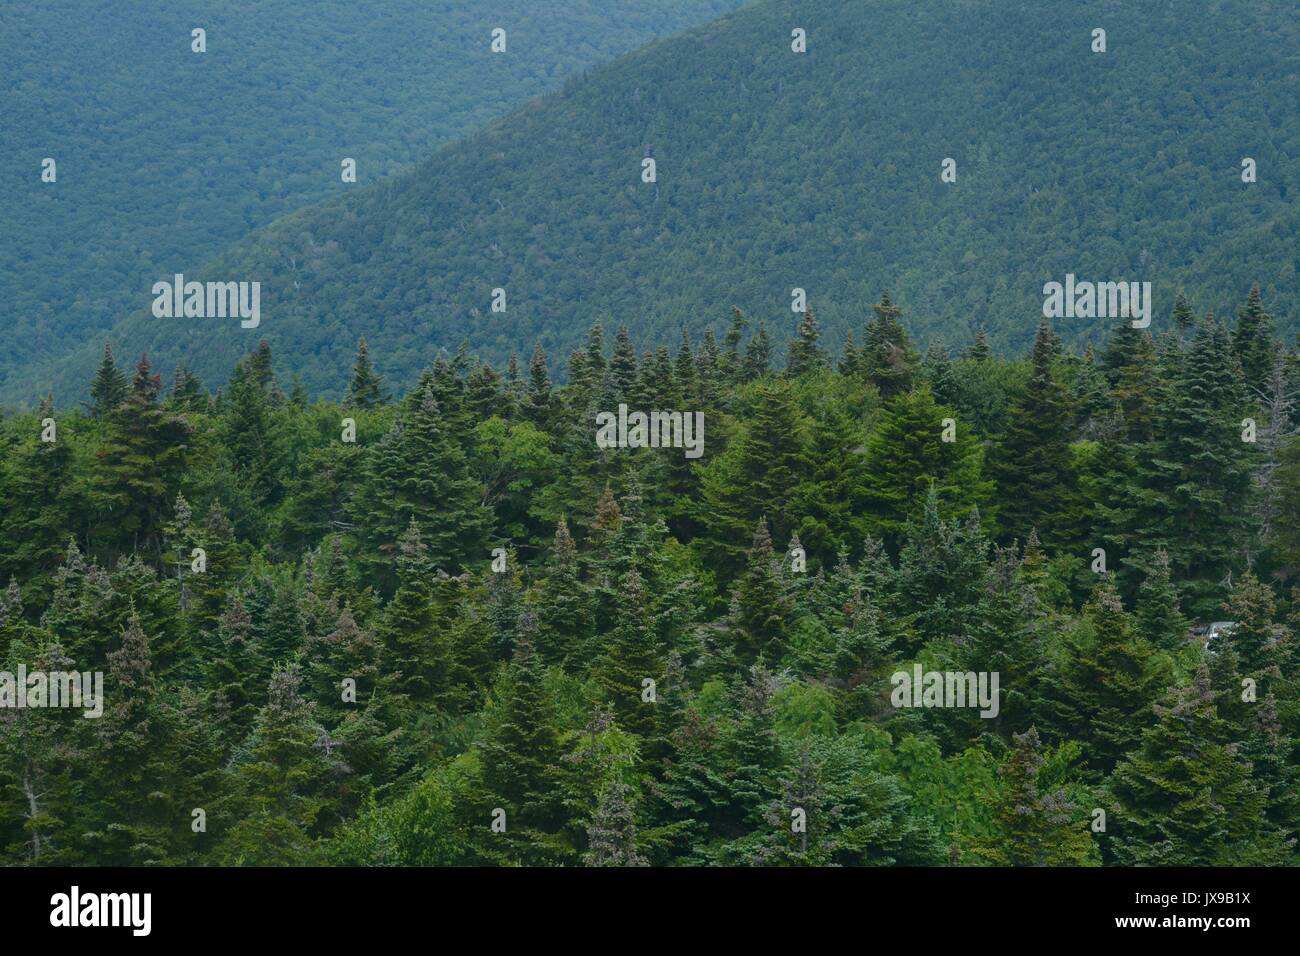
245, 134
312, 640
549, 198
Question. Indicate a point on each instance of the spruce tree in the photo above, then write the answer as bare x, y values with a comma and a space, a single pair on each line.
630, 658
731, 356
188, 393
520, 757
805, 355
1035, 480
1195, 480
139, 466
759, 475
1034, 828
936, 368
565, 606
758, 355
611, 835
539, 404
908, 454
418, 472
42, 496
760, 613
1111, 680
367, 388
978, 350
284, 778
1185, 797
1157, 615
109, 389
1252, 342
888, 360
414, 639
622, 369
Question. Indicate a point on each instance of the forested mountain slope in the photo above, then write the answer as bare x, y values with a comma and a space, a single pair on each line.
166, 156
819, 170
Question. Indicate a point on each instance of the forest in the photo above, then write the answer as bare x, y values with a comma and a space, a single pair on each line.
447, 627
778, 170
164, 157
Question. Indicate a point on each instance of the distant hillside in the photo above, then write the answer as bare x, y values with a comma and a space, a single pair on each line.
818, 170
165, 156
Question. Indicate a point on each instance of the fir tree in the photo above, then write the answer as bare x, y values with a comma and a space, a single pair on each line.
521, 760
611, 835
109, 389
1186, 798
1156, 615
978, 350
139, 466
758, 355
731, 357
1034, 828
1035, 481
284, 778
759, 612
908, 454
805, 355
418, 472
367, 388
1111, 680
888, 360
1252, 341
1194, 482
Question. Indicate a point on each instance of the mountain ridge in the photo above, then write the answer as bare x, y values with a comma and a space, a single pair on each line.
762, 188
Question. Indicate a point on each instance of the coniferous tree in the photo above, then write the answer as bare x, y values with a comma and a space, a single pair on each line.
188, 393
731, 356
139, 466
758, 355
1183, 316
622, 368
759, 611
909, 453
565, 607
539, 403
978, 350
1034, 475
109, 389
1157, 615
937, 370
1252, 341
521, 760
1186, 798
418, 472
759, 475
1195, 481
805, 355
1111, 680
1034, 828
611, 835
367, 388
630, 659
888, 360
41, 496
755, 752
684, 373
284, 778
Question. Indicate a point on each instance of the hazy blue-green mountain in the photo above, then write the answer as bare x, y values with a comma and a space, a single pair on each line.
818, 170
166, 156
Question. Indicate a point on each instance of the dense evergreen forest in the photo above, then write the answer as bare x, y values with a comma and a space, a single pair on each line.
474, 636
778, 170
165, 157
